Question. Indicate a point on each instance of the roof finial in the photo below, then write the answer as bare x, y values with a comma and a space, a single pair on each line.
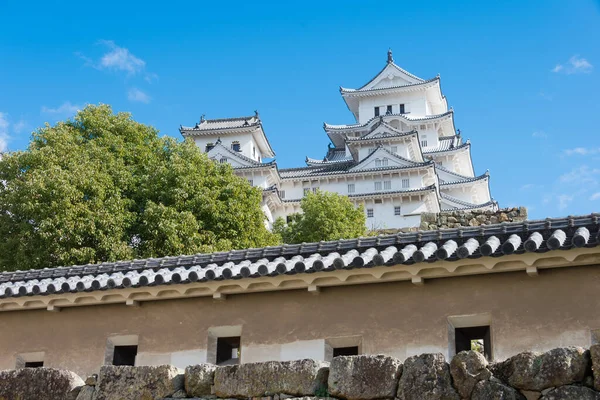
256, 114
390, 57
202, 118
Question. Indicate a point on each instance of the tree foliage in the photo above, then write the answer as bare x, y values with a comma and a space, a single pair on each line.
325, 216
102, 187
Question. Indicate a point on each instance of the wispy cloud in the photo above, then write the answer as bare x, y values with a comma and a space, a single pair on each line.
575, 65
65, 109
595, 196
136, 95
564, 200
582, 151
540, 135
529, 186
119, 59
3, 131
19, 126
584, 175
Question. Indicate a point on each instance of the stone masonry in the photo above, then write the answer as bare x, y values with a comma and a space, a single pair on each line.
559, 374
458, 218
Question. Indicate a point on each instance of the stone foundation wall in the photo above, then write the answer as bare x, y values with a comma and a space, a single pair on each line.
456, 219
559, 374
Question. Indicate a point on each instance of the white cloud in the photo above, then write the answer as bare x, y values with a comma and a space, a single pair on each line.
120, 59
564, 200
3, 131
582, 151
65, 109
575, 65
20, 126
595, 196
539, 134
137, 95
582, 176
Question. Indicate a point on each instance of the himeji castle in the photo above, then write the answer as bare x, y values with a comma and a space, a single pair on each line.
401, 157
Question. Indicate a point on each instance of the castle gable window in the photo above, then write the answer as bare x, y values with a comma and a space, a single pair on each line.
235, 146
209, 147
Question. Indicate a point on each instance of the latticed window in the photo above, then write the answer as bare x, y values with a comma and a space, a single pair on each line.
384, 162
377, 111
377, 162
251, 182
282, 194
315, 189
351, 188
401, 108
209, 147
388, 110
387, 185
405, 183
235, 146
306, 191
394, 149
377, 186
369, 213
223, 160
397, 210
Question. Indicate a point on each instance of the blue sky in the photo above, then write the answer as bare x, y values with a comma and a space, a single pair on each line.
523, 76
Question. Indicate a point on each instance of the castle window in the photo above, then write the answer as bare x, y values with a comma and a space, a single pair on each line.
34, 364
223, 160
423, 127
251, 182
369, 213
345, 351
282, 194
397, 210
377, 111
124, 355
377, 162
209, 146
405, 183
30, 360
402, 109
424, 143
372, 150
351, 188
470, 332
235, 146
388, 110
384, 162
315, 189
306, 191
121, 350
394, 149
378, 201
387, 185
377, 186
228, 350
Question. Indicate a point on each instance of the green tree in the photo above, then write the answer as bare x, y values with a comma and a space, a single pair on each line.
102, 187
325, 216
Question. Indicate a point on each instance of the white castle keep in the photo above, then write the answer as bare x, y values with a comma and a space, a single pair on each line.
401, 158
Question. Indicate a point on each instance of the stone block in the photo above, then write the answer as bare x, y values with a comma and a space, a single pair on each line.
426, 377
86, 393
571, 392
364, 377
595, 356
134, 383
39, 384
495, 390
199, 380
296, 378
557, 367
467, 368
